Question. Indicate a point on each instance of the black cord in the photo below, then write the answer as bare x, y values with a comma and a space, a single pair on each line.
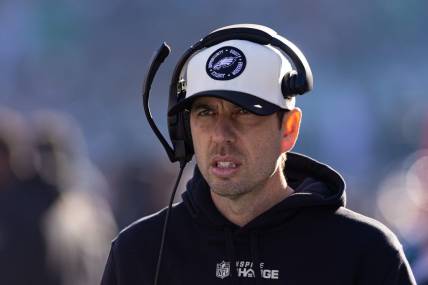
165, 223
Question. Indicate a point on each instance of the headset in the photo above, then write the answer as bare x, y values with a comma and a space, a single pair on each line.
295, 82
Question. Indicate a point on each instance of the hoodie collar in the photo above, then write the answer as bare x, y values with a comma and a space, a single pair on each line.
314, 183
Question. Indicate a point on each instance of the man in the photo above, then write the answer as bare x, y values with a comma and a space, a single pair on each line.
254, 213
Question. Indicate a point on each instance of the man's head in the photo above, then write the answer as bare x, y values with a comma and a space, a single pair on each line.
237, 83
238, 151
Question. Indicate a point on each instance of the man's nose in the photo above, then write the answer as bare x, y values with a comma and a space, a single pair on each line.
223, 131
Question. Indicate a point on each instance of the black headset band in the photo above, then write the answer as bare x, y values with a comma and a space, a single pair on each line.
250, 34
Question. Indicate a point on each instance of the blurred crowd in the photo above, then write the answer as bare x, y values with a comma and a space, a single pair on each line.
78, 162
55, 227
402, 202
58, 212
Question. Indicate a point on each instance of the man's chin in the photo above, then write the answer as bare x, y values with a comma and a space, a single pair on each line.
226, 189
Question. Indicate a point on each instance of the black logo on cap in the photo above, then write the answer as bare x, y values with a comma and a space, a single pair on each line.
226, 63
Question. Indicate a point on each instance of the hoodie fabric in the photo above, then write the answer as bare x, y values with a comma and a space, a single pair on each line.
308, 238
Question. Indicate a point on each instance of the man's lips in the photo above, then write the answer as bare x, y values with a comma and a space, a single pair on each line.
224, 166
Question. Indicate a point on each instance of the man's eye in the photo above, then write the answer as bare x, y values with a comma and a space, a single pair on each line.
243, 111
205, 112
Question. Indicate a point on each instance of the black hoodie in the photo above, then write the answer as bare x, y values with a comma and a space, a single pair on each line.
308, 238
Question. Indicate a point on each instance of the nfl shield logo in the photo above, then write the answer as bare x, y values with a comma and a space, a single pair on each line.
223, 269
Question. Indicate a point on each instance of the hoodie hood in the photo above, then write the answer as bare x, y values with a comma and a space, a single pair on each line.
315, 185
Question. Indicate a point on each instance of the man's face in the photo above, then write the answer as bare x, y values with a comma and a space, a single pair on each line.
236, 151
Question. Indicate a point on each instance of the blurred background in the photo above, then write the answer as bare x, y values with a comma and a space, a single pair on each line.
78, 160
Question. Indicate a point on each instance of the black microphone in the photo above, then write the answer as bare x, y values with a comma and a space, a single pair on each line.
158, 57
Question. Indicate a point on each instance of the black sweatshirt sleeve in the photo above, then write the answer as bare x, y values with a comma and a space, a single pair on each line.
109, 276
399, 271
385, 263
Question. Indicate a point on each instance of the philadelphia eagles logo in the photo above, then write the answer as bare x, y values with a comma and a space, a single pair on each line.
226, 63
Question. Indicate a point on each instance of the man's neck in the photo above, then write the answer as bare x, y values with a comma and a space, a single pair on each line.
242, 209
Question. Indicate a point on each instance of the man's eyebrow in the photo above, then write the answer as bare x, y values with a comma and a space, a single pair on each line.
200, 106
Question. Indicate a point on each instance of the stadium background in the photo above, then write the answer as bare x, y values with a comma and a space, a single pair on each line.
81, 65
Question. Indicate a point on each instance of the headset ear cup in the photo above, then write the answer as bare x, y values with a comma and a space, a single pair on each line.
288, 84
188, 141
178, 132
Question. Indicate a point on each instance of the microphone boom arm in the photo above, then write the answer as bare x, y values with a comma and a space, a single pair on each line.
157, 60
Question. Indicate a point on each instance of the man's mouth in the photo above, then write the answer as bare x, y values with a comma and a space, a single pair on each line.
224, 167
225, 164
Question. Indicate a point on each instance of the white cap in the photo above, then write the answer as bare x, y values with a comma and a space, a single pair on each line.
243, 72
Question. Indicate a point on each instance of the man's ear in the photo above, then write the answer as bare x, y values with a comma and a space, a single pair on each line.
290, 129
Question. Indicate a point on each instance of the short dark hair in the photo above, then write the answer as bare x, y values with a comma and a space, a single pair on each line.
281, 114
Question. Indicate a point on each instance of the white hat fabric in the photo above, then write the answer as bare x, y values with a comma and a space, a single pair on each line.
243, 72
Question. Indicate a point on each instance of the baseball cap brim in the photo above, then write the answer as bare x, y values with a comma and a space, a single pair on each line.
247, 101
